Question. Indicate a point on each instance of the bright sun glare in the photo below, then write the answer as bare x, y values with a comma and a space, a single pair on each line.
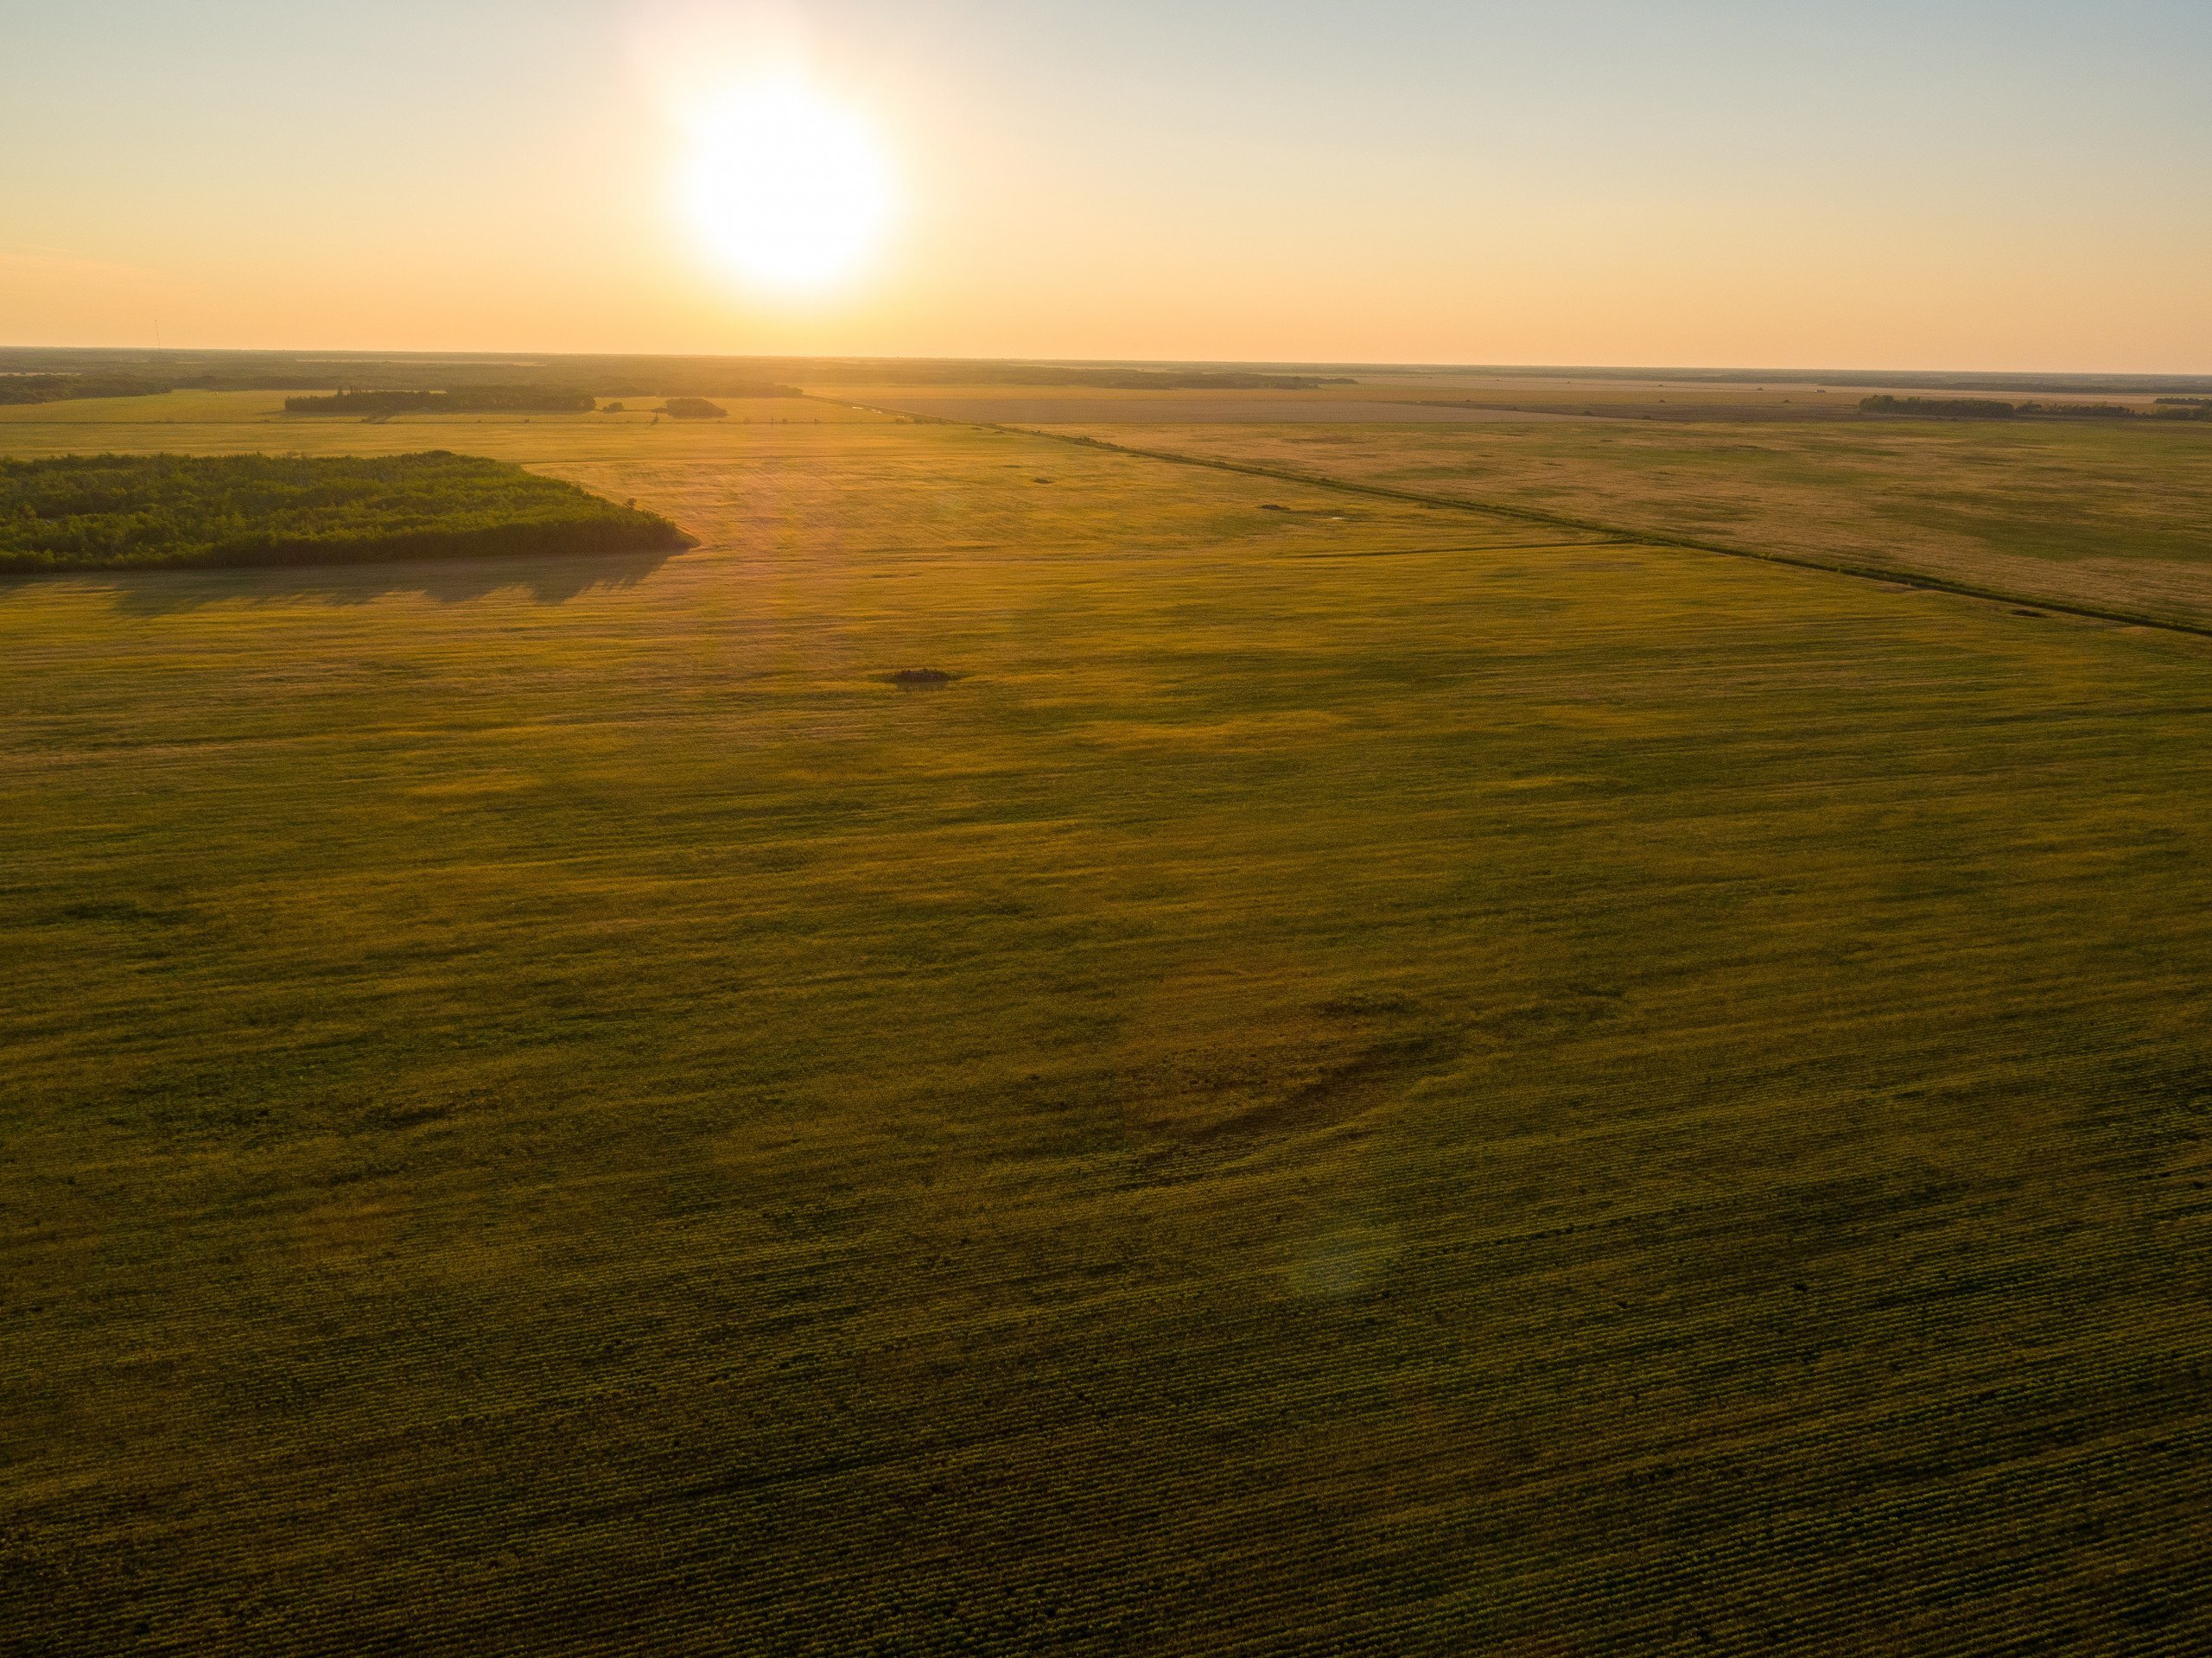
787, 189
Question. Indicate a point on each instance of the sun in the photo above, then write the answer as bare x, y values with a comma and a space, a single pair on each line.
788, 190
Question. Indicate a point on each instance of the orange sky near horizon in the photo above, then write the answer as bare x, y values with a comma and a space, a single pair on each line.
1954, 186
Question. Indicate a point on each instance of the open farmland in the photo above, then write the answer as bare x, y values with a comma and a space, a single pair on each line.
1363, 1077
2106, 516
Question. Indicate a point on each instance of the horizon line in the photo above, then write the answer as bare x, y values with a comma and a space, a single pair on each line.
1861, 375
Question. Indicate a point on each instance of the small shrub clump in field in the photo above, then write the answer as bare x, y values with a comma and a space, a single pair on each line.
693, 409
113, 511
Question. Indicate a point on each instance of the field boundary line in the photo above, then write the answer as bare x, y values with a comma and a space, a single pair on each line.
1913, 579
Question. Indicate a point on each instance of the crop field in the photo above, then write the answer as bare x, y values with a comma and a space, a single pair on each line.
2106, 516
1346, 1076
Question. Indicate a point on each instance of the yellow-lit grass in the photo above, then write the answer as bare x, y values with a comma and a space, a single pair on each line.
1362, 1080
2107, 515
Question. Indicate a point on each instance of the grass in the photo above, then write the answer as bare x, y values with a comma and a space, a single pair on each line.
108, 511
2103, 515
1360, 1080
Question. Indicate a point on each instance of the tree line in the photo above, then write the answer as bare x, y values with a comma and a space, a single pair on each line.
1995, 408
94, 511
473, 400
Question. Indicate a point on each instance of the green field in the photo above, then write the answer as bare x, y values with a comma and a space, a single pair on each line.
1362, 1078
2114, 515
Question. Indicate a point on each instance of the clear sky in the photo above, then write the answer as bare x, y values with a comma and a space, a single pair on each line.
1941, 184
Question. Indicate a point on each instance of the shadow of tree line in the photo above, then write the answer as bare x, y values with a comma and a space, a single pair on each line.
553, 580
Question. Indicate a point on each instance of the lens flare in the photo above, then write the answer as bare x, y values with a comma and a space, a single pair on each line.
787, 189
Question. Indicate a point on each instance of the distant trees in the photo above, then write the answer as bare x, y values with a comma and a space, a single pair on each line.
506, 400
40, 375
464, 400
718, 386
497, 387
360, 403
1135, 380
60, 387
1938, 408
119, 512
1991, 409
910, 371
